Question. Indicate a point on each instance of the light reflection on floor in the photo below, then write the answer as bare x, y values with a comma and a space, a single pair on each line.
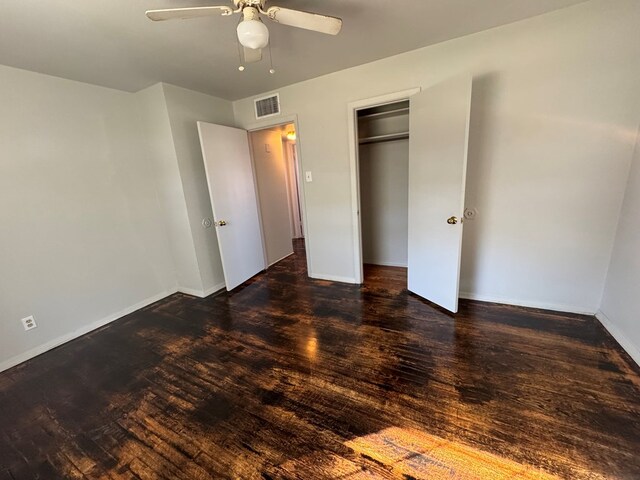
411, 454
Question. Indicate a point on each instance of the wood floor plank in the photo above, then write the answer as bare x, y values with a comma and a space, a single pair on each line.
292, 378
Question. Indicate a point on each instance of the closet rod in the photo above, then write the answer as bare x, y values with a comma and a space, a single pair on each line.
388, 112
384, 138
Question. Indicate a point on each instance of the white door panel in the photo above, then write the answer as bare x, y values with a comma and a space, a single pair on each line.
227, 161
439, 132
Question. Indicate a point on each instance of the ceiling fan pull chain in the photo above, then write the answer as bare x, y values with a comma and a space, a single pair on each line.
240, 57
271, 70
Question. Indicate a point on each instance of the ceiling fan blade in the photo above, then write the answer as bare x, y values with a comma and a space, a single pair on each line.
251, 55
186, 13
306, 20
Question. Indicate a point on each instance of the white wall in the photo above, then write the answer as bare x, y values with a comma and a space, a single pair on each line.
184, 109
102, 194
164, 169
82, 237
620, 309
384, 197
271, 180
554, 116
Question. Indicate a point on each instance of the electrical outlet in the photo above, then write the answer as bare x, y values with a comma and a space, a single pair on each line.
29, 323
308, 177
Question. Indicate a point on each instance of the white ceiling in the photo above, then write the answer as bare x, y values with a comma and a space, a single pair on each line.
112, 43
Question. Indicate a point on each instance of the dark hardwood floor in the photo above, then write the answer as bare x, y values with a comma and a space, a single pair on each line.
293, 378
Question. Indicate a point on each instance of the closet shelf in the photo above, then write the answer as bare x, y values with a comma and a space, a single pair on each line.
388, 113
384, 138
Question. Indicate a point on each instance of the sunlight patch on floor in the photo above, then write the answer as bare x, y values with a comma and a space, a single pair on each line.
413, 454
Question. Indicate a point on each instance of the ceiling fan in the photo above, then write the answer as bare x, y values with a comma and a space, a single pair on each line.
253, 35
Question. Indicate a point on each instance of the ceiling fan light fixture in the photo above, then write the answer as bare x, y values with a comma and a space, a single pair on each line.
253, 34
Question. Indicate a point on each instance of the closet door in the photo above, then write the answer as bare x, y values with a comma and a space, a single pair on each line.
439, 133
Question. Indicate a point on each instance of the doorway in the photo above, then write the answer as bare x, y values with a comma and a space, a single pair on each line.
252, 197
276, 171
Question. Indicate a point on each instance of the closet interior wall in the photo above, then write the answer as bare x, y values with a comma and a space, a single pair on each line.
383, 158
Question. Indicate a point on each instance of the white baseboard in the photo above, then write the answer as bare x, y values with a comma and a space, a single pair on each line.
191, 291
56, 342
215, 289
202, 293
287, 255
632, 349
526, 303
332, 278
385, 264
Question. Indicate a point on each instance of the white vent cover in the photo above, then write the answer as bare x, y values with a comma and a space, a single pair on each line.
267, 106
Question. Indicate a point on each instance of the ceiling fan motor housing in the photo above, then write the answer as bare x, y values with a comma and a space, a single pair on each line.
259, 4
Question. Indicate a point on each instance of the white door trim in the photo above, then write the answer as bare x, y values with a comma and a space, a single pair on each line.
294, 188
352, 117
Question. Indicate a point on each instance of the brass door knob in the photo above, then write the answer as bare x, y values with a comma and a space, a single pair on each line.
452, 220
221, 223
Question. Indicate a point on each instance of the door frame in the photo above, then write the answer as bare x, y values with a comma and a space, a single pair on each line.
275, 122
354, 166
297, 209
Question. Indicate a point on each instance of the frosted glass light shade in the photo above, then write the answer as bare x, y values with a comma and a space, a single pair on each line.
253, 34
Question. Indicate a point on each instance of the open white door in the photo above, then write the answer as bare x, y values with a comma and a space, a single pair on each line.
438, 138
227, 162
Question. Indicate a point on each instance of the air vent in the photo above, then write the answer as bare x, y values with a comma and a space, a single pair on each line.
268, 106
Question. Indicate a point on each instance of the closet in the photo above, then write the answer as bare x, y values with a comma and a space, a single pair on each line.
408, 158
383, 162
